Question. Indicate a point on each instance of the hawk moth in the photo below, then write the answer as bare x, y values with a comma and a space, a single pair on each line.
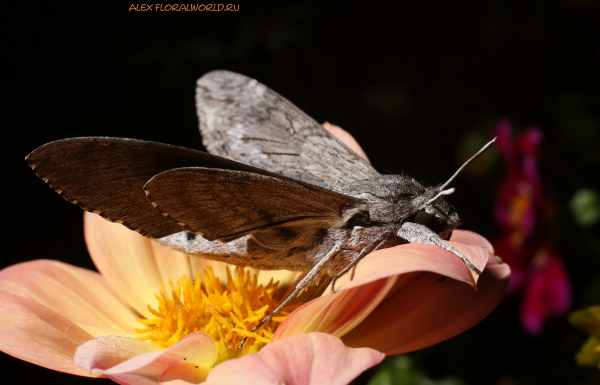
275, 190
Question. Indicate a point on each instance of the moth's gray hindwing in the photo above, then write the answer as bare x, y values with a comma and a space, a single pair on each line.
244, 120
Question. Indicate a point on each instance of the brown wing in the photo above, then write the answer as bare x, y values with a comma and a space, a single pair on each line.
107, 175
225, 204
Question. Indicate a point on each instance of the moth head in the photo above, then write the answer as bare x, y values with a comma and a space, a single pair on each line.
433, 210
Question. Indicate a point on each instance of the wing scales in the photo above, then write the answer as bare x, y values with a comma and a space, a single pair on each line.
106, 176
244, 120
240, 119
225, 204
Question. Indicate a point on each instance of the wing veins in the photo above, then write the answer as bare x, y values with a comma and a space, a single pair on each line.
274, 224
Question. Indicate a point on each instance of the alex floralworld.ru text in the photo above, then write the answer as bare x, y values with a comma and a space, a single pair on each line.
184, 7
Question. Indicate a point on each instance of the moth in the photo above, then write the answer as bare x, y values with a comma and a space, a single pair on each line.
275, 190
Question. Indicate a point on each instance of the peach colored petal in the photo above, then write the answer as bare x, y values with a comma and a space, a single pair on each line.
80, 295
346, 138
186, 373
314, 359
335, 313
338, 313
130, 361
416, 257
471, 238
421, 311
178, 382
104, 353
37, 334
135, 266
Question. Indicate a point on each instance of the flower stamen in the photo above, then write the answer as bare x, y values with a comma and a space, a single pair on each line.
227, 314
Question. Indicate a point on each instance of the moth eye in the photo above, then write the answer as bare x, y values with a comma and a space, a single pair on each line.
423, 218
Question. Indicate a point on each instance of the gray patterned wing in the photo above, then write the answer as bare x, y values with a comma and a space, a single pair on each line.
244, 120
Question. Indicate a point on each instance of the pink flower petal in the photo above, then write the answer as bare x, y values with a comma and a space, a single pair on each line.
335, 313
103, 353
313, 359
527, 223
137, 266
37, 334
421, 311
130, 361
528, 142
80, 295
416, 297
186, 373
471, 238
417, 257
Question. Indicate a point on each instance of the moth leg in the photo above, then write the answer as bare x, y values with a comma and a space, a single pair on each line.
366, 250
417, 233
299, 287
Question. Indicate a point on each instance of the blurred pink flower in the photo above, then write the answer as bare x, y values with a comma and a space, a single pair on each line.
522, 242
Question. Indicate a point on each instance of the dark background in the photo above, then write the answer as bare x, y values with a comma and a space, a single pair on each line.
419, 84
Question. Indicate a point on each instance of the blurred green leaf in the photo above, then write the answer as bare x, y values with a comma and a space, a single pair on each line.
585, 206
402, 370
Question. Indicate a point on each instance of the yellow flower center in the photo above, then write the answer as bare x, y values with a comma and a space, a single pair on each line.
227, 314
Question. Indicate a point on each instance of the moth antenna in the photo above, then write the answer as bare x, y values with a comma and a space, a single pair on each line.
467, 162
444, 192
